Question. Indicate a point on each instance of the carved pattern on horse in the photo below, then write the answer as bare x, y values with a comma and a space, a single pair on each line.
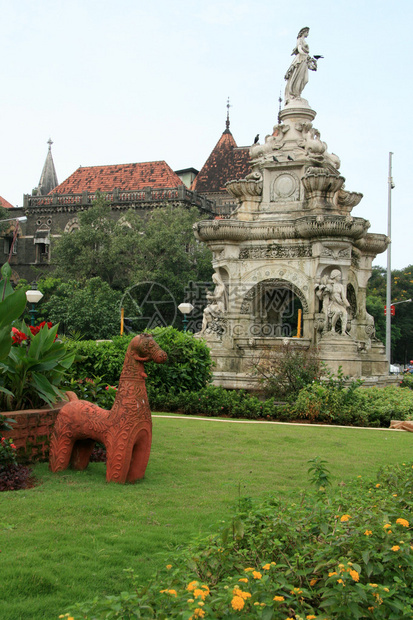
125, 430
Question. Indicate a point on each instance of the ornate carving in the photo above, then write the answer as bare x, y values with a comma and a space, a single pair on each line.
332, 294
125, 430
245, 189
347, 200
276, 251
309, 227
285, 187
256, 291
331, 226
320, 185
217, 306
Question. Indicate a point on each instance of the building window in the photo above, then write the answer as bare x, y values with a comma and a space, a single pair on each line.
7, 241
42, 252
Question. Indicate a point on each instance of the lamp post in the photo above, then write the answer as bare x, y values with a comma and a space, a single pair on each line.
388, 279
33, 297
185, 308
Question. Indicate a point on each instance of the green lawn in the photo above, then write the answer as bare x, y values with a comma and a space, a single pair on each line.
70, 538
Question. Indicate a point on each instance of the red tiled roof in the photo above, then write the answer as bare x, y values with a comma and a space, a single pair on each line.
225, 163
155, 174
5, 204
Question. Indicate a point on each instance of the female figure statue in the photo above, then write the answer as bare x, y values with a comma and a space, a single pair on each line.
338, 301
297, 74
216, 305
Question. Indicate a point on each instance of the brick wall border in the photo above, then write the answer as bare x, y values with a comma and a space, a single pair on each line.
31, 432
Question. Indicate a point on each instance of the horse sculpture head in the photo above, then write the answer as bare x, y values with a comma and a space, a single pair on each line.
143, 348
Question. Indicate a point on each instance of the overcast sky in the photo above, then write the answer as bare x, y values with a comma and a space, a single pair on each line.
133, 81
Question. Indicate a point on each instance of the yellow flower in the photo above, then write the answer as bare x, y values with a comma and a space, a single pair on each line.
386, 589
313, 582
332, 574
345, 518
191, 586
190, 600
266, 567
389, 532
296, 591
278, 598
169, 566
248, 570
310, 617
394, 494
237, 603
354, 575
395, 548
386, 526
238, 592
373, 585
368, 533
340, 581
378, 485
172, 592
256, 575
402, 522
244, 579
199, 613
370, 608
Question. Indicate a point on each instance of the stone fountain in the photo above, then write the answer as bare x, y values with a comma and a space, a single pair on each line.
292, 241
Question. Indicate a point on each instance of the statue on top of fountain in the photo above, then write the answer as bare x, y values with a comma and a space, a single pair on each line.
297, 74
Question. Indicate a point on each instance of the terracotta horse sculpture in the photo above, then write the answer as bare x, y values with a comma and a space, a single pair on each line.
125, 430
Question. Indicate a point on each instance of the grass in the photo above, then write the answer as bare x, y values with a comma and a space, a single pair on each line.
70, 538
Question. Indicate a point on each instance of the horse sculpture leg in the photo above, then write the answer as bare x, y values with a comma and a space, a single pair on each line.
140, 455
61, 447
81, 453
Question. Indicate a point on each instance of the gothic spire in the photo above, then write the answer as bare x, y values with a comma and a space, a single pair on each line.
48, 180
227, 122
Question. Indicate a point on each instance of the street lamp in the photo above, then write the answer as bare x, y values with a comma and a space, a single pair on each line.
33, 297
23, 218
185, 308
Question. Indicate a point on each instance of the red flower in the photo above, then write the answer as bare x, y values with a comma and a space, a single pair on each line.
18, 336
35, 329
13, 446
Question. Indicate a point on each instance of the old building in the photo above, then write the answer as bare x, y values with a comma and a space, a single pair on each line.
53, 208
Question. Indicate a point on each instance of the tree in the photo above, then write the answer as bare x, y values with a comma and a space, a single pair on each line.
402, 322
93, 309
160, 247
101, 247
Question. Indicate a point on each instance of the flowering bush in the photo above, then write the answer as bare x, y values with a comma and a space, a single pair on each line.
7, 452
34, 368
347, 553
95, 390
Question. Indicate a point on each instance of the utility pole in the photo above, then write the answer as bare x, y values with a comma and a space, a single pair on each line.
388, 283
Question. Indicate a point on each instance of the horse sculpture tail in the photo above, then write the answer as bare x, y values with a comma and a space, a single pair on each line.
71, 396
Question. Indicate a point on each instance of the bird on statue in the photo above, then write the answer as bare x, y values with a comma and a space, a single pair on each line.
275, 159
290, 158
257, 137
317, 57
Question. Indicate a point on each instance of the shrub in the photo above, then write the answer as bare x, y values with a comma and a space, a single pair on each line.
14, 477
407, 381
188, 367
285, 371
344, 553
